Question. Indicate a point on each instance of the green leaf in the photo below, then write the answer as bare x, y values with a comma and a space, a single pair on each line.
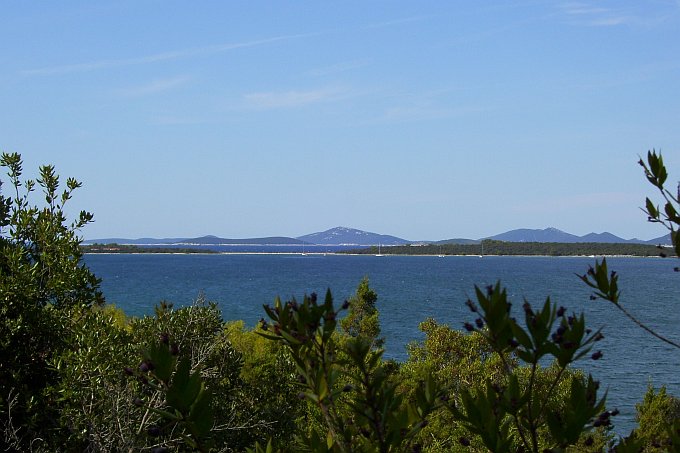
182, 392
201, 413
329, 440
651, 209
163, 361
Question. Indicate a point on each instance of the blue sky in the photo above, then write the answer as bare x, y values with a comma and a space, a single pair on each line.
425, 120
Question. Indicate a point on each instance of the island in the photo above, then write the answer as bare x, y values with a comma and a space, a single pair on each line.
128, 248
497, 248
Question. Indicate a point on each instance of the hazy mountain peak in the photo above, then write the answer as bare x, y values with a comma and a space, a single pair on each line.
350, 236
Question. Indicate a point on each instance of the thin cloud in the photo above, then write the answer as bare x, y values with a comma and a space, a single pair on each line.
292, 99
148, 59
484, 34
414, 113
429, 105
610, 21
176, 121
405, 114
390, 23
155, 86
583, 13
339, 67
583, 9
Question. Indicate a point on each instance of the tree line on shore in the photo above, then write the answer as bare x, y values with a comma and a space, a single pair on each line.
77, 374
502, 248
131, 248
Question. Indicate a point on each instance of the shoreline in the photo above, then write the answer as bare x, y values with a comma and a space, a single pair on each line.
368, 254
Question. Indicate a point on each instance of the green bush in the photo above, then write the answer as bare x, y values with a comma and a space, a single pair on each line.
93, 398
656, 415
78, 375
42, 282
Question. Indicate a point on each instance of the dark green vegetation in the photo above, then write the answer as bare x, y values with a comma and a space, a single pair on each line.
127, 248
79, 375
212, 240
498, 248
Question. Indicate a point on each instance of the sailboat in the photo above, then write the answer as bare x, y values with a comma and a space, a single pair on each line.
379, 254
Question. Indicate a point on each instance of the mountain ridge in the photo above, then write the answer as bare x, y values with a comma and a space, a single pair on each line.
351, 236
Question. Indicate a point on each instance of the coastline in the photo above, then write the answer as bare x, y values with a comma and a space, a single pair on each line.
317, 254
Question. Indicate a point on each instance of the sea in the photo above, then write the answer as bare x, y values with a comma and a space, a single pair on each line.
413, 288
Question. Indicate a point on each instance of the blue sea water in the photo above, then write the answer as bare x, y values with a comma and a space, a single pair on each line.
413, 288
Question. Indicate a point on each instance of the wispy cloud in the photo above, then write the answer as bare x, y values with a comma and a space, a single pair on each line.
169, 120
405, 114
339, 67
586, 14
583, 9
414, 113
148, 59
596, 16
155, 86
291, 99
422, 106
390, 23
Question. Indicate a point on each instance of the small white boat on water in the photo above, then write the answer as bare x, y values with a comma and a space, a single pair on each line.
379, 254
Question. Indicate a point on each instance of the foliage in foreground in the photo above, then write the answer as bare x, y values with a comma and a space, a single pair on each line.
77, 375
42, 283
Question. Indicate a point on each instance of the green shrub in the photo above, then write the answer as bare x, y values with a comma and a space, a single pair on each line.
42, 281
656, 415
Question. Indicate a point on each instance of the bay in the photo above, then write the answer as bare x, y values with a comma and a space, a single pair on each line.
413, 288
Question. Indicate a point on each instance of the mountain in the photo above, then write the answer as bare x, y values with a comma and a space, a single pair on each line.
140, 241
528, 235
351, 236
214, 240
604, 238
203, 240
663, 240
461, 241
555, 235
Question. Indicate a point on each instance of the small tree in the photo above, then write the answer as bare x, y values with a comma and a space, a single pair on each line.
41, 276
362, 316
605, 286
360, 406
512, 414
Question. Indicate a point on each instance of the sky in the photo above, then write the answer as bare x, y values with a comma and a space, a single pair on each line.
424, 120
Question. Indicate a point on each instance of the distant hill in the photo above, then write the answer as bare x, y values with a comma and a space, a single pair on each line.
559, 236
140, 241
528, 235
351, 236
604, 238
460, 241
663, 240
203, 240
214, 240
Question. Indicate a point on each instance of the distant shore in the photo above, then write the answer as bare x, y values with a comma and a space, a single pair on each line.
486, 248
116, 249
501, 248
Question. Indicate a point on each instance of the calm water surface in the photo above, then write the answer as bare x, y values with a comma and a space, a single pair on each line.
413, 288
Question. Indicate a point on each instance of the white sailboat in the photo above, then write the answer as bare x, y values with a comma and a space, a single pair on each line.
379, 254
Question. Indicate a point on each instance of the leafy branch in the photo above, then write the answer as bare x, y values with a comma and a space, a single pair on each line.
511, 415
606, 288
